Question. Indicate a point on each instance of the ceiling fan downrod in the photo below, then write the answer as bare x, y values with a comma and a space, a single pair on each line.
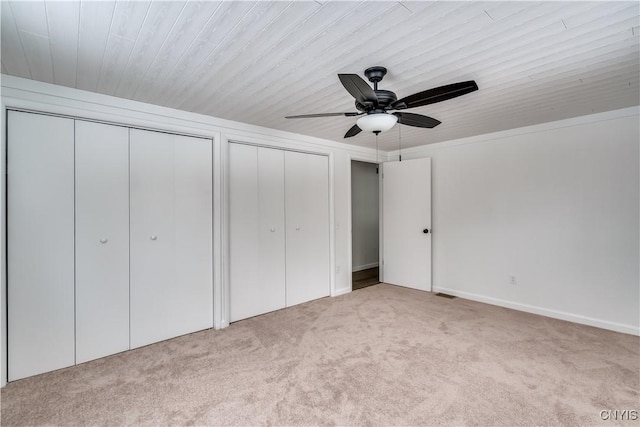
375, 75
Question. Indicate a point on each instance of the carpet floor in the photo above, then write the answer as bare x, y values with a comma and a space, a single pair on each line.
384, 355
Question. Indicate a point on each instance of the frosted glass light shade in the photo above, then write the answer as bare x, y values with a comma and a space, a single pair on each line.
377, 122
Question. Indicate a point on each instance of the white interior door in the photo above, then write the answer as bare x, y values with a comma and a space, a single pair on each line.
406, 223
256, 219
102, 240
307, 222
171, 236
40, 243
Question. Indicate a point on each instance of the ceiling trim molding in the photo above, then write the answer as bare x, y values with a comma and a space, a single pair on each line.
542, 127
25, 93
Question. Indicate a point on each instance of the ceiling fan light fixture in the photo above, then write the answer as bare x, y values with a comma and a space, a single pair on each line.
377, 122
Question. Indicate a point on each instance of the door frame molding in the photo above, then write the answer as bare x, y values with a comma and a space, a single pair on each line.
363, 159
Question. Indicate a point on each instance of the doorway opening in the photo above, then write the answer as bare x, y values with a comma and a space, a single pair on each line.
365, 224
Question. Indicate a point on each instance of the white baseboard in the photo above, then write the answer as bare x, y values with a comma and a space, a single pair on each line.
339, 292
364, 267
575, 318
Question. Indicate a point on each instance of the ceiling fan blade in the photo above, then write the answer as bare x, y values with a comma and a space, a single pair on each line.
437, 94
307, 116
417, 120
358, 88
353, 131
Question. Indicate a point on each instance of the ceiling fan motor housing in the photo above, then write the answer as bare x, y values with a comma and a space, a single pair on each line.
385, 98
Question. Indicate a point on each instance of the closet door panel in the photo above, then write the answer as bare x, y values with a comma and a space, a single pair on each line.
171, 236
256, 197
40, 228
153, 273
271, 265
307, 219
244, 251
192, 295
102, 240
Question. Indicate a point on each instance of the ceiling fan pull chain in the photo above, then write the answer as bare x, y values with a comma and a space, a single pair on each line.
399, 143
377, 159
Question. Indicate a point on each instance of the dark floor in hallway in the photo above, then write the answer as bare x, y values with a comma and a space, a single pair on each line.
362, 279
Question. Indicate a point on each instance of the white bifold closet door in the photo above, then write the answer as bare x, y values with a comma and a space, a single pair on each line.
171, 236
307, 218
40, 228
257, 230
279, 229
102, 240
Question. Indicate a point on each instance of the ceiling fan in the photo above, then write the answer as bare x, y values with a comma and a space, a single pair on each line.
376, 103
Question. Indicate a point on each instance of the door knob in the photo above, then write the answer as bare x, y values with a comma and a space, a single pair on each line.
425, 231
273, 230
298, 228
103, 240
154, 237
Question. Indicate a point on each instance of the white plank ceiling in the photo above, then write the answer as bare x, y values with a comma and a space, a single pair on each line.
257, 62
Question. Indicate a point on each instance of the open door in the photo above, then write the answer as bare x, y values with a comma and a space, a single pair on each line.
406, 223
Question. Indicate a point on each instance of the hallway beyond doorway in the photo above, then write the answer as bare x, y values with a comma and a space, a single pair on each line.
362, 279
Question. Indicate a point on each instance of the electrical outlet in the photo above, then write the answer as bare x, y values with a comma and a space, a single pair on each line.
512, 280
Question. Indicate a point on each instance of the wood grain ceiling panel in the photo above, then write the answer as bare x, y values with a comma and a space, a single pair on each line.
159, 21
128, 18
95, 24
259, 61
31, 22
13, 56
63, 22
183, 34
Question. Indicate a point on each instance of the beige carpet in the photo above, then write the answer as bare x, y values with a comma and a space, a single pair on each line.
379, 356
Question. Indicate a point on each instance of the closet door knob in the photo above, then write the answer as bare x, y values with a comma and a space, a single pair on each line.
154, 237
273, 230
103, 240
298, 228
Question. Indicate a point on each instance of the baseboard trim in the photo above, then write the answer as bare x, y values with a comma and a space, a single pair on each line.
575, 318
339, 292
364, 267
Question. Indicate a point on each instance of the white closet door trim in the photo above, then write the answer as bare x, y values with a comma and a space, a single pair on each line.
271, 147
110, 123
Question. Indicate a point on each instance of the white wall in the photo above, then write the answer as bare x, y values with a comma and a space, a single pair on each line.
364, 215
37, 96
555, 205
